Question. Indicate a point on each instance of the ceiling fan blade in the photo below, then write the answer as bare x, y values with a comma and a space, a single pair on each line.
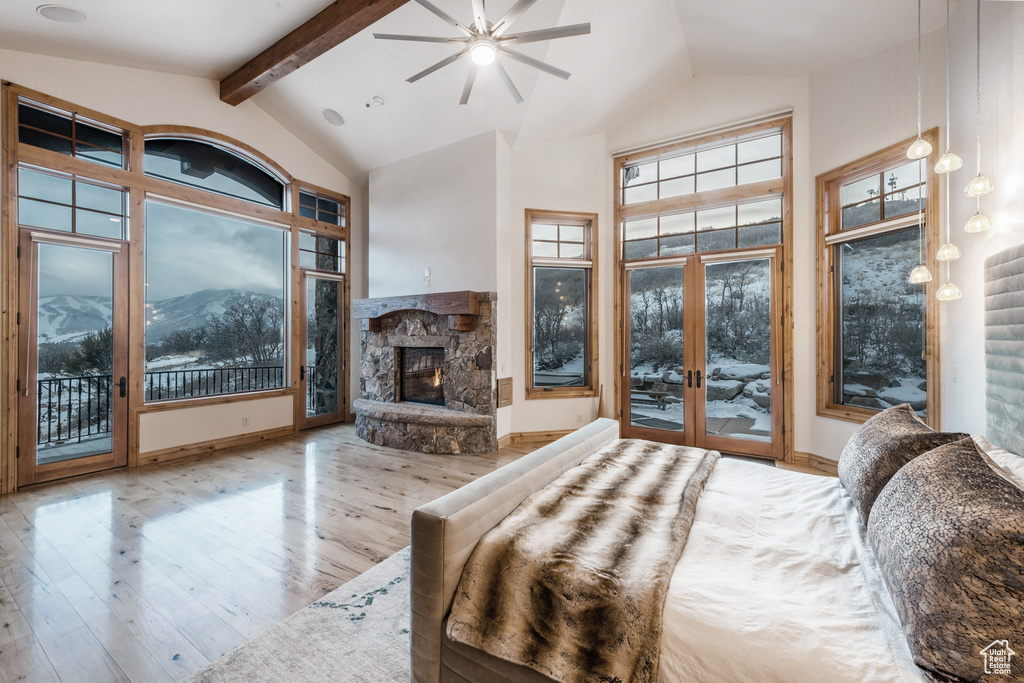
478, 16
440, 65
511, 15
537, 64
548, 34
418, 39
470, 80
445, 16
512, 90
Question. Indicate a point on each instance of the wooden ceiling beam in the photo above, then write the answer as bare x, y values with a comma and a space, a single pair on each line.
328, 29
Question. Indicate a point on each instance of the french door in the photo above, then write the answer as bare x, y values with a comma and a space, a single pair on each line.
72, 387
322, 338
702, 357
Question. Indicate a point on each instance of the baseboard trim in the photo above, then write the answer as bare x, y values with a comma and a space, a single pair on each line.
178, 452
816, 462
504, 441
539, 437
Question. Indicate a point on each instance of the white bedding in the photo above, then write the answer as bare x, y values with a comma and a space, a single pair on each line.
778, 583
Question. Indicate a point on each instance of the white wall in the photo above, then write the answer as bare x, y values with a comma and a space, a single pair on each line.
437, 210
856, 110
963, 337
571, 175
150, 98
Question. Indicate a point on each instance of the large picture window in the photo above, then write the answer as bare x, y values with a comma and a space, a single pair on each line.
876, 329
215, 303
561, 324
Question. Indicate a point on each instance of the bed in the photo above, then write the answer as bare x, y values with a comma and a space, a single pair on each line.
778, 579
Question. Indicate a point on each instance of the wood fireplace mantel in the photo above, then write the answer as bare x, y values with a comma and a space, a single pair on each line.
461, 308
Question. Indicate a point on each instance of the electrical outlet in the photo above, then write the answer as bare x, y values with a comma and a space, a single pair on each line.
955, 377
245, 422
579, 418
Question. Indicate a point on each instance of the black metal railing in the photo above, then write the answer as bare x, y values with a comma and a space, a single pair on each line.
166, 384
75, 409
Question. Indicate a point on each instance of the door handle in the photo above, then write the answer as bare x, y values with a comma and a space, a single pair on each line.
302, 373
123, 384
698, 379
689, 379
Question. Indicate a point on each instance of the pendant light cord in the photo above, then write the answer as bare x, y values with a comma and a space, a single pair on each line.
978, 65
919, 126
948, 142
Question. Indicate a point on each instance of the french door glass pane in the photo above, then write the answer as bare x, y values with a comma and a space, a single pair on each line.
738, 315
882, 323
321, 346
559, 327
656, 348
75, 353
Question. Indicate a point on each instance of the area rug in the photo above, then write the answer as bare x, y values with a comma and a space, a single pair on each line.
358, 633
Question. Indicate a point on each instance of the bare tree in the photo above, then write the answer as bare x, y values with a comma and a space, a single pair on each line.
250, 332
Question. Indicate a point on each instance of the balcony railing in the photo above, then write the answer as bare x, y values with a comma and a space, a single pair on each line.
76, 409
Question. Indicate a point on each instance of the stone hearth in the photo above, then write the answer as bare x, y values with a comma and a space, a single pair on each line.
461, 323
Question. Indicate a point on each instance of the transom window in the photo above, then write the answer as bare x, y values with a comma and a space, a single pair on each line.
208, 167
57, 201
322, 208
891, 193
318, 251
733, 226
69, 134
714, 166
876, 344
561, 333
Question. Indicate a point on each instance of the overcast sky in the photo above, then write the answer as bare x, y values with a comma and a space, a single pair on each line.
186, 251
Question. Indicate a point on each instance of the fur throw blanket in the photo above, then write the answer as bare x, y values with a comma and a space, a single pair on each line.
573, 582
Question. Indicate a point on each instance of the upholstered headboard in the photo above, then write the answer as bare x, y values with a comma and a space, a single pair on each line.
1004, 348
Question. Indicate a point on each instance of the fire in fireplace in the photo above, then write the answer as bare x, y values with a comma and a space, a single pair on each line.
423, 376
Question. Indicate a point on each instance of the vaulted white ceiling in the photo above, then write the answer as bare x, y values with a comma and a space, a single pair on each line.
637, 51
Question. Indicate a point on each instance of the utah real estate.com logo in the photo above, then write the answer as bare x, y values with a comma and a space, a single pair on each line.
997, 657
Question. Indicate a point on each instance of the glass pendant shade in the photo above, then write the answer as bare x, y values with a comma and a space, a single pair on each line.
919, 149
948, 163
978, 187
948, 252
979, 222
920, 275
948, 292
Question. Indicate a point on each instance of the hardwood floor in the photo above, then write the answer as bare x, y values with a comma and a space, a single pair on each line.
147, 575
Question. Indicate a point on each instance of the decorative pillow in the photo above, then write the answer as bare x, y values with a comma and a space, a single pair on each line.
879, 448
1010, 464
948, 533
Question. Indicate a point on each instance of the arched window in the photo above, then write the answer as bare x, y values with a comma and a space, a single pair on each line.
215, 169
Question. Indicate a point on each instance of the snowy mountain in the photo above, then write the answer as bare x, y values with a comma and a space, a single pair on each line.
69, 318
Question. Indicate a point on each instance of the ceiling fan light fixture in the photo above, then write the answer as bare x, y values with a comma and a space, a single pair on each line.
483, 52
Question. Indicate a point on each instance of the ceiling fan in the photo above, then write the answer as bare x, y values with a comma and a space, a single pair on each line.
485, 42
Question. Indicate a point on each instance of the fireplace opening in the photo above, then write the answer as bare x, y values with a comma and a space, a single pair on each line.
422, 378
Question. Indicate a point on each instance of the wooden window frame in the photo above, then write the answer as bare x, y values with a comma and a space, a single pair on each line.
829, 223
591, 355
132, 177
778, 186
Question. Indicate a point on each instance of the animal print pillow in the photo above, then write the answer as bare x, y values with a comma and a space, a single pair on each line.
879, 448
948, 532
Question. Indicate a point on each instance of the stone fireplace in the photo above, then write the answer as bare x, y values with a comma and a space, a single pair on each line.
426, 375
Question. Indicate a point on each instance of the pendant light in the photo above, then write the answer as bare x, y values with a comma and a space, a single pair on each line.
919, 148
980, 185
948, 162
920, 274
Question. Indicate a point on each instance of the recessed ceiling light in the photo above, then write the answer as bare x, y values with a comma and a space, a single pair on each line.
333, 117
61, 13
375, 101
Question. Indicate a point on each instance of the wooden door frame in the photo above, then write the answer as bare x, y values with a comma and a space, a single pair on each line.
302, 421
27, 473
688, 434
785, 124
774, 448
